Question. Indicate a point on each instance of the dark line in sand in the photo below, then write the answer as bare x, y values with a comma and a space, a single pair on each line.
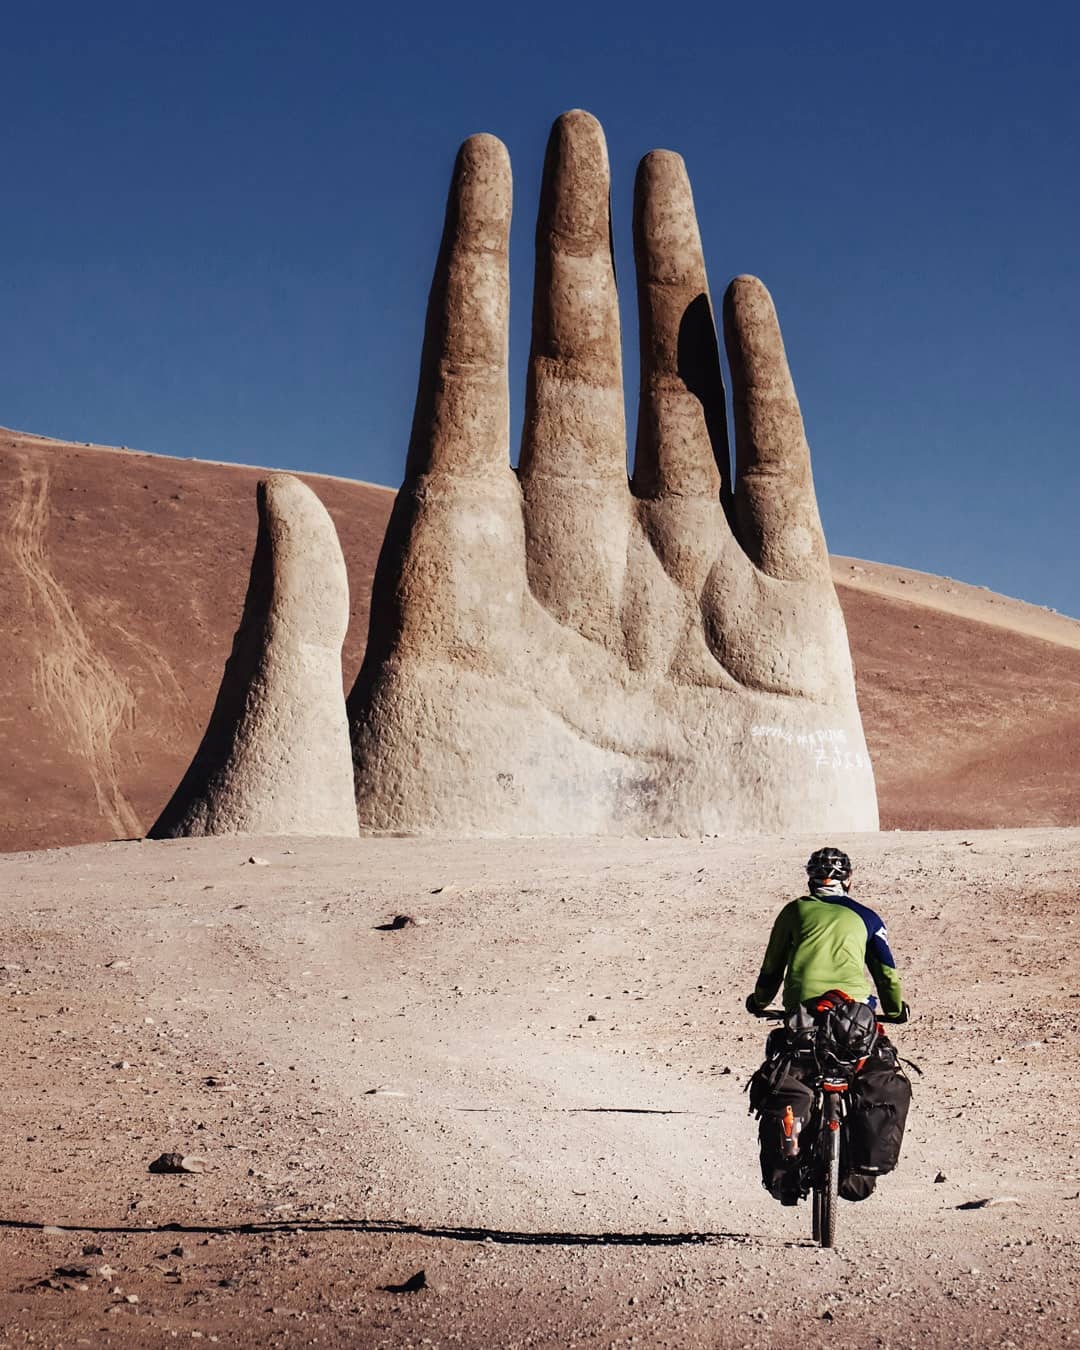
592, 1110
450, 1234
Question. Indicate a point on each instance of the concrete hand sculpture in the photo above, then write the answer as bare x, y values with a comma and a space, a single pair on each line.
275, 756
558, 650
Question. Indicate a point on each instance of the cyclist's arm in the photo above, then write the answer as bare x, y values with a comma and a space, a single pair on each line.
882, 967
776, 956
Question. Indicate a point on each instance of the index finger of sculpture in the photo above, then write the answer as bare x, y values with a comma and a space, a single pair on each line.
574, 418
462, 417
682, 434
776, 510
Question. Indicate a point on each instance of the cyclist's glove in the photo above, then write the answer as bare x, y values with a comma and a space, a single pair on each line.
901, 1016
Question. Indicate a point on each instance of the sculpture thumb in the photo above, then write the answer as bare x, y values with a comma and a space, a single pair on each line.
275, 757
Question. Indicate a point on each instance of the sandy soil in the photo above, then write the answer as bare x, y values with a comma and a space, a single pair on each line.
968, 723
956, 598
535, 1097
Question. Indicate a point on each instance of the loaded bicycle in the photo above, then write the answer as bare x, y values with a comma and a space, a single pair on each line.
832, 1100
816, 1144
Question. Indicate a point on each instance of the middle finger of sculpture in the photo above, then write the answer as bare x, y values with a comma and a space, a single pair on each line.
559, 650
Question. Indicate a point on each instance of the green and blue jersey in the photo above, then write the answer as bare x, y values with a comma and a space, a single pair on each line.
828, 942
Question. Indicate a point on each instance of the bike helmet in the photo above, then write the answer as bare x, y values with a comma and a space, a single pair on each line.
828, 864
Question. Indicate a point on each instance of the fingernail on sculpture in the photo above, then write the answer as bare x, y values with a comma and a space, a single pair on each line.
275, 757
559, 650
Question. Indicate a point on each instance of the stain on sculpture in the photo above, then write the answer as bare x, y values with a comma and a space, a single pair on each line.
275, 757
558, 650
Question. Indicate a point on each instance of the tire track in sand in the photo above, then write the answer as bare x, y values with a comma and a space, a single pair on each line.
78, 686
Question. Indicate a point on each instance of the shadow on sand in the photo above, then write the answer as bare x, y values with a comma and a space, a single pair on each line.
464, 1234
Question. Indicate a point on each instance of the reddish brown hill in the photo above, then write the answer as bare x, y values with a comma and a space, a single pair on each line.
123, 580
121, 586
972, 724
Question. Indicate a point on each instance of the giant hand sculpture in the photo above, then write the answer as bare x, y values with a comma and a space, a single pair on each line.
559, 651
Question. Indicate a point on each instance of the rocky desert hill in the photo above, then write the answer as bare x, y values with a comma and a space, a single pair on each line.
123, 578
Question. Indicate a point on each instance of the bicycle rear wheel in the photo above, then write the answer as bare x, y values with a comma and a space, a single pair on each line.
826, 1191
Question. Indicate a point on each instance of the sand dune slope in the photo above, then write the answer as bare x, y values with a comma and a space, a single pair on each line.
122, 578
971, 708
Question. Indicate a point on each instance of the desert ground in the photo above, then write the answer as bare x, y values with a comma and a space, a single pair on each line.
533, 1094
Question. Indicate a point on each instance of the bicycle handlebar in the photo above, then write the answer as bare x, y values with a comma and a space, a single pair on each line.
778, 1015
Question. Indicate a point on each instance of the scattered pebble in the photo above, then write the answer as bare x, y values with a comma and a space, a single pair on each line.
178, 1162
410, 1286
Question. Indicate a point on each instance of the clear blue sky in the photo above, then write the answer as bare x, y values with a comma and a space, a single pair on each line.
219, 222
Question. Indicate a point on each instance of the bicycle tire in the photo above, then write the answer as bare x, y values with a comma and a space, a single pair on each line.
829, 1189
816, 1201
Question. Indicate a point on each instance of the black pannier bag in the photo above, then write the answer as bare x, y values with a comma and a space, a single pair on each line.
877, 1106
772, 1090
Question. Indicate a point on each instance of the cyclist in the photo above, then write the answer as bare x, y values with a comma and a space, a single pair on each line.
822, 942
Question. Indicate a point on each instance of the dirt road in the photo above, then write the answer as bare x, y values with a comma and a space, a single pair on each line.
535, 1096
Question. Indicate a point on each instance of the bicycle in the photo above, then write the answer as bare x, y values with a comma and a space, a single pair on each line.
818, 1171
